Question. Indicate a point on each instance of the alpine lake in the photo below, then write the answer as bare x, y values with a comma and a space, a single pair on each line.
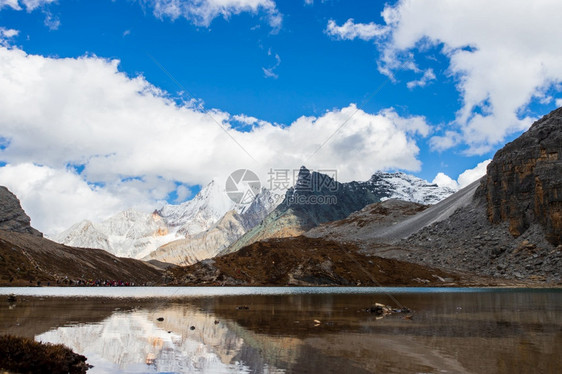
293, 329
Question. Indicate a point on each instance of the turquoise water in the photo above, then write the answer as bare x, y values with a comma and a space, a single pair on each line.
294, 330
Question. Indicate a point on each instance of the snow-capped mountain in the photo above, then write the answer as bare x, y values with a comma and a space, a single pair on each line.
209, 223
317, 198
200, 213
207, 244
136, 234
406, 187
126, 234
84, 235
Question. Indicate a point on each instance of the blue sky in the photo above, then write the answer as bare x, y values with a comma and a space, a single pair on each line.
424, 87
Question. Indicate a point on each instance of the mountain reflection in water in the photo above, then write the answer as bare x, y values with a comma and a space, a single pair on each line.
493, 332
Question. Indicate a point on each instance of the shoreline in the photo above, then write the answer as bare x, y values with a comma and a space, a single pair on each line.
482, 282
7, 293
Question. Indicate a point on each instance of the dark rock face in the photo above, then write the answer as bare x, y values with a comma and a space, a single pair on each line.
318, 198
315, 199
524, 181
12, 216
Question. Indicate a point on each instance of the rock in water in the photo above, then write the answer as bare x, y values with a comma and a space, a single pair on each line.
12, 216
524, 180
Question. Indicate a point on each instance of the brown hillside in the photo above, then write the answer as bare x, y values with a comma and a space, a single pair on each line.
26, 259
307, 262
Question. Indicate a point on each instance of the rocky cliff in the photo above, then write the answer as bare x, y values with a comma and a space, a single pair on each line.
524, 180
12, 216
512, 227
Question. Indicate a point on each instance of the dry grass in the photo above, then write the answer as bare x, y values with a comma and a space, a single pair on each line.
26, 260
24, 355
309, 261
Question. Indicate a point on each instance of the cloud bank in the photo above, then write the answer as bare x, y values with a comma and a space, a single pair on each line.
114, 141
503, 54
464, 179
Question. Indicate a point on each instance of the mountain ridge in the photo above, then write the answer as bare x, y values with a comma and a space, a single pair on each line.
207, 244
135, 234
193, 231
301, 211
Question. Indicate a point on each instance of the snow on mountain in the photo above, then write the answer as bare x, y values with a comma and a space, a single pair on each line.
203, 245
200, 213
201, 228
136, 234
207, 244
407, 187
126, 234
83, 235
317, 198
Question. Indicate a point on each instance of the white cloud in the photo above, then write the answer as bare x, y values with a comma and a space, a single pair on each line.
443, 180
465, 178
427, 77
249, 120
182, 193
55, 199
242, 118
6, 35
309, 2
270, 72
10, 3
34, 4
447, 140
30, 5
409, 125
135, 142
470, 175
559, 102
351, 30
504, 54
51, 21
203, 12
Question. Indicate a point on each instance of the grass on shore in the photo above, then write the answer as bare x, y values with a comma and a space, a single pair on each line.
24, 355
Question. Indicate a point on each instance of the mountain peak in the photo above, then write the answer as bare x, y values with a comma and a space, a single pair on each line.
12, 215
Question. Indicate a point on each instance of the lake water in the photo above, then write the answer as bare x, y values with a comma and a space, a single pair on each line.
294, 330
